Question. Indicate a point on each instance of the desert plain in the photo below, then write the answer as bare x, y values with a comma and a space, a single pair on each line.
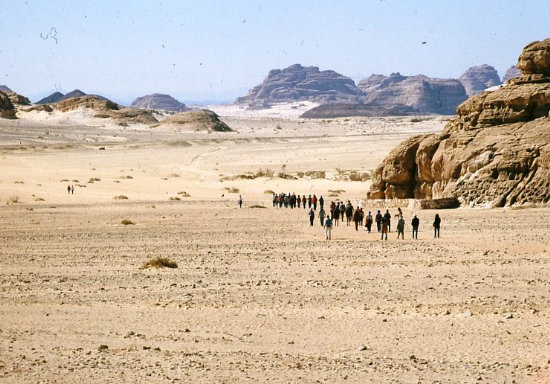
258, 295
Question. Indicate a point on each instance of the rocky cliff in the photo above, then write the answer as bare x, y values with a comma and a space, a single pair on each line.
496, 152
158, 101
424, 94
477, 79
298, 83
511, 72
7, 110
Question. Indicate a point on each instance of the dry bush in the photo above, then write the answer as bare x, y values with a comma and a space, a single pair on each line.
127, 222
184, 194
64, 180
38, 199
287, 176
336, 191
172, 198
93, 179
300, 174
232, 190
257, 206
268, 172
173, 175
358, 176
126, 177
159, 262
14, 199
316, 174
18, 182
120, 197
269, 192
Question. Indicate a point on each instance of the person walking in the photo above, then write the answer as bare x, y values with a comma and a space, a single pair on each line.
415, 223
311, 216
321, 202
322, 216
387, 216
309, 201
304, 201
72, 189
298, 201
401, 228
314, 201
68, 189
336, 214
240, 201
328, 228
356, 218
368, 221
384, 229
379, 221
437, 225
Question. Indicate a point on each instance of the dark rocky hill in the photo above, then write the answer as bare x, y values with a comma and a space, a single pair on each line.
511, 72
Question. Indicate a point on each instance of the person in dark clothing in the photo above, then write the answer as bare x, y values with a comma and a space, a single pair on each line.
311, 217
322, 216
357, 218
321, 202
378, 221
415, 223
437, 224
387, 216
309, 201
68, 189
298, 201
368, 222
384, 229
401, 228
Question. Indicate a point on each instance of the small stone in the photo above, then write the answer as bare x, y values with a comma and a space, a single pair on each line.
103, 347
465, 314
362, 348
508, 316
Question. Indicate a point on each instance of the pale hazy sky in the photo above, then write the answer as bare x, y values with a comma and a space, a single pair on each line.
217, 50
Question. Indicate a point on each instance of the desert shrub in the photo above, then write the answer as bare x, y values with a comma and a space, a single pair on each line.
173, 175
232, 189
287, 176
316, 174
300, 174
268, 172
159, 262
336, 191
184, 194
93, 179
269, 192
120, 197
126, 177
127, 222
14, 199
257, 206
172, 198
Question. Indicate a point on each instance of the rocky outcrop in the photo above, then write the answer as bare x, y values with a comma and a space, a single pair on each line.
298, 83
18, 99
7, 110
511, 72
201, 120
104, 108
329, 111
159, 101
496, 152
423, 94
477, 79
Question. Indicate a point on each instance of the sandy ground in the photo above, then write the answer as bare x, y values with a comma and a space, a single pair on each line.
258, 295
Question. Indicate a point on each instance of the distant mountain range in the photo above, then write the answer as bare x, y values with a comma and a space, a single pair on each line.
375, 95
58, 96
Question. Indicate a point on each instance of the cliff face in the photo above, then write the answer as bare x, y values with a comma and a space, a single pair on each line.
7, 110
496, 152
477, 79
424, 94
298, 83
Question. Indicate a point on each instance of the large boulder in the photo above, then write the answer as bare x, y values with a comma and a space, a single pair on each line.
424, 94
496, 152
477, 79
159, 101
298, 83
7, 110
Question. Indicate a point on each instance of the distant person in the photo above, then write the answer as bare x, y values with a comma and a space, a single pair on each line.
304, 201
72, 189
68, 189
274, 200
401, 227
379, 221
356, 218
328, 228
361, 216
437, 224
298, 201
321, 202
399, 213
311, 216
314, 201
336, 214
322, 216
415, 223
368, 222
342, 210
387, 216
240, 201
384, 229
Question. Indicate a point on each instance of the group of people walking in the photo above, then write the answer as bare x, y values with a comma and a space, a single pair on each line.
291, 200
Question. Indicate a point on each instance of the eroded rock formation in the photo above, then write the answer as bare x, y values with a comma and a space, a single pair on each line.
298, 83
477, 79
424, 94
496, 152
7, 110
200, 120
511, 72
160, 102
